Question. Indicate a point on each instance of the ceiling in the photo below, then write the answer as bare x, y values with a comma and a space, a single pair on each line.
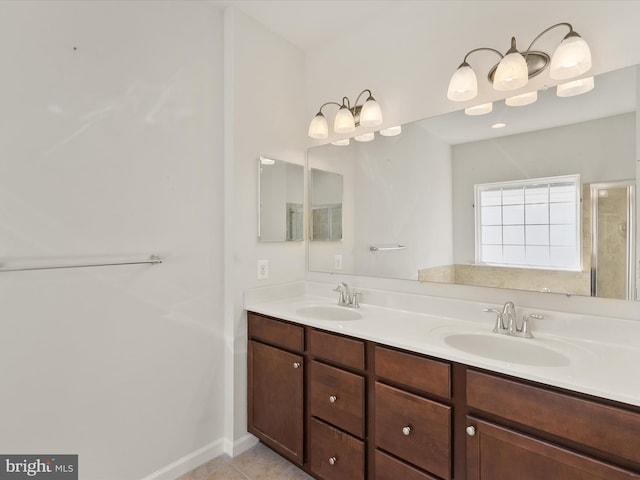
310, 23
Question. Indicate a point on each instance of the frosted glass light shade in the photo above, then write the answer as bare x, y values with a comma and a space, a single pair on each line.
371, 114
391, 131
522, 100
512, 73
576, 87
344, 121
318, 128
571, 58
463, 84
482, 109
341, 143
365, 137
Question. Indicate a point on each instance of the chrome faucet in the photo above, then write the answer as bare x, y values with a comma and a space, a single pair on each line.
509, 316
345, 297
507, 321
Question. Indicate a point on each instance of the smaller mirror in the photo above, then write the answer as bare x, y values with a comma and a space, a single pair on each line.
280, 201
326, 205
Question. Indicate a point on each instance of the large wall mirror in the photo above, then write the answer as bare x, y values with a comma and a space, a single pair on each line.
546, 203
280, 201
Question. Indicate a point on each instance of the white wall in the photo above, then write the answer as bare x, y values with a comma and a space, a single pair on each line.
264, 114
599, 150
111, 149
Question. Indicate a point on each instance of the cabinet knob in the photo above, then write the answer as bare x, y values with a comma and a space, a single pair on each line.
333, 461
333, 399
406, 430
296, 364
471, 431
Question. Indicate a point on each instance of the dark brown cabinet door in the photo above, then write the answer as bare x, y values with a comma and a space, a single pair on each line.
276, 413
414, 428
497, 453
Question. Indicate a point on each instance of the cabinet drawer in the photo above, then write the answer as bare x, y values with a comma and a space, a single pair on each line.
427, 441
337, 397
414, 371
335, 455
602, 427
389, 468
276, 332
495, 452
335, 348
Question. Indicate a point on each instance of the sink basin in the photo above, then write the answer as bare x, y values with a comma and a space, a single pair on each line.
329, 312
508, 349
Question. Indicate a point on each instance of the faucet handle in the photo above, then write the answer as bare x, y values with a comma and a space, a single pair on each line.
499, 327
525, 331
354, 299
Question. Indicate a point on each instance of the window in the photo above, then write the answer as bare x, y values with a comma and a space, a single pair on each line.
529, 223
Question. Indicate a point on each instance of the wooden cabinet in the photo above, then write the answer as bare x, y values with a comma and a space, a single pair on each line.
276, 388
337, 397
413, 428
495, 452
337, 406
335, 455
546, 434
344, 408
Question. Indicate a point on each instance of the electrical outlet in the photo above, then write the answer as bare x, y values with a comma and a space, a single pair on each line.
337, 262
263, 269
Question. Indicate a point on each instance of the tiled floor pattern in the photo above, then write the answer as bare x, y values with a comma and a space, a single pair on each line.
258, 463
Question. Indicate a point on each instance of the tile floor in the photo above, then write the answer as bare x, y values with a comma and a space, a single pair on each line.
258, 463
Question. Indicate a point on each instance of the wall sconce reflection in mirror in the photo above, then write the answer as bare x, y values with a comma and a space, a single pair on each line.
572, 58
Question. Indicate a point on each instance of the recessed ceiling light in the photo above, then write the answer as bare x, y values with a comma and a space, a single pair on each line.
499, 125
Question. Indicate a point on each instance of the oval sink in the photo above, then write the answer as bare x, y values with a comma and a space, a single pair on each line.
328, 312
513, 350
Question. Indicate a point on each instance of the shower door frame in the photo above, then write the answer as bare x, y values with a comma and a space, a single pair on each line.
629, 185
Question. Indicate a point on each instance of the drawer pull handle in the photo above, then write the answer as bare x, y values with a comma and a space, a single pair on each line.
333, 399
333, 461
471, 431
406, 430
296, 364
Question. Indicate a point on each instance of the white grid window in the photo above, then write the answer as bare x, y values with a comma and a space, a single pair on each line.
529, 223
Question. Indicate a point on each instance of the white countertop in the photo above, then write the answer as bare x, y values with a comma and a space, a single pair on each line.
603, 354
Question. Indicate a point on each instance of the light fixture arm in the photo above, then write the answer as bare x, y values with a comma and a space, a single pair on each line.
464, 61
325, 104
565, 24
366, 90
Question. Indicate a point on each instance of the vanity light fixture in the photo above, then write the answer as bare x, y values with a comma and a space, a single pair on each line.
522, 99
576, 87
571, 59
391, 131
479, 109
348, 117
365, 137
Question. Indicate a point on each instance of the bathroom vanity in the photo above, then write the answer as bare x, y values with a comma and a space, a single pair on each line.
342, 403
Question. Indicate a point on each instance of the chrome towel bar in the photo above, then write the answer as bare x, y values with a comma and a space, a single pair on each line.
153, 259
385, 248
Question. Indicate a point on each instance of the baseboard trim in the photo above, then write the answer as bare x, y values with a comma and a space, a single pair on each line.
189, 462
244, 443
